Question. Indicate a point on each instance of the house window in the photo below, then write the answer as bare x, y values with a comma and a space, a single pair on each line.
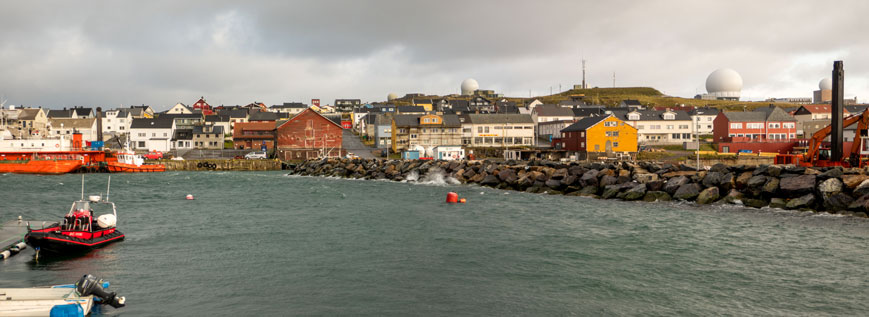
582, 134
675, 136
615, 144
640, 127
610, 124
141, 144
669, 127
655, 127
634, 116
486, 129
479, 129
582, 144
736, 125
612, 133
153, 134
413, 136
788, 125
773, 125
669, 116
478, 140
686, 136
754, 125
597, 147
683, 126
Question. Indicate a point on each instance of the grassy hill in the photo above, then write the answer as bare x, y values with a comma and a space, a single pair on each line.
648, 96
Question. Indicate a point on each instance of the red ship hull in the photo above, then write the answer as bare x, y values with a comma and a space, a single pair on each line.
39, 166
117, 167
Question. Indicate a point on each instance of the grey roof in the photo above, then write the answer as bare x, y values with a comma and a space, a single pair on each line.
631, 102
297, 105
215, 130
759, 115
405, 109
263, 116
28, 113
553, 111
217, 118
857, 108
576, 103
412, 120
158, 123
586, 112
498, 118
60, 113
235, 113
704, 112
584, 124
650, 115
507, 109
82, 111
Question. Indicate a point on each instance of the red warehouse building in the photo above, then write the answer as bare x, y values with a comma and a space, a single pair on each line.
761, 125
309, 135
252, 135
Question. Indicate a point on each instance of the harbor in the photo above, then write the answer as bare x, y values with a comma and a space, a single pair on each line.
265, 237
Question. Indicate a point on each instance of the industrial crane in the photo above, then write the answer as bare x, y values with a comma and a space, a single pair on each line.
815, 156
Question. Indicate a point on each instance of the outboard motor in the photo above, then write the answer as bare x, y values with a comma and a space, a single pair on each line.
90, 285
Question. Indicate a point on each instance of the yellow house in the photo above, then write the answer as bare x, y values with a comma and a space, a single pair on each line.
605, 134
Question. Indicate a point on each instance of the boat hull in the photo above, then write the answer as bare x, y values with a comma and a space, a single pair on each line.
52, 240
117, 167
40, 166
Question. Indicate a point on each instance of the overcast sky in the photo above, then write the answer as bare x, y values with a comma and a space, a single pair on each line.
112, 53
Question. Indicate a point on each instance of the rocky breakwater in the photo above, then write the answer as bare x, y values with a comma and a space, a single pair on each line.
833, 189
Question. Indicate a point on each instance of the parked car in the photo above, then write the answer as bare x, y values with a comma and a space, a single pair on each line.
153, 155
255, 155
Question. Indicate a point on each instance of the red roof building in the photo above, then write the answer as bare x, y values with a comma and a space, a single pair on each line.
204, 106
253, 135
309, 135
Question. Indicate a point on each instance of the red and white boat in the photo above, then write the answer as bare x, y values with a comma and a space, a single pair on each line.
130, 162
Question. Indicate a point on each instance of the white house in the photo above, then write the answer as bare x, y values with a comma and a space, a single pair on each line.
702, 118
497, 130
152, 134
116, 122
656, 127
66, 127
179, 108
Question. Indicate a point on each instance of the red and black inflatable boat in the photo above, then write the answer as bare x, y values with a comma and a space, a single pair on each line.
79, 231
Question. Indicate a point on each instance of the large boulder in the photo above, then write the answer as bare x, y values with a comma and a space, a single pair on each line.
773, 170
720, 168
687, 192
756, 182
754, 202
656, 196
674, 183
508, 176
771, 186
803, 202
569, 180
607, 180
708, 196
559, 173
589, 178
860, 205
588, 191
636, 192
862, 189
852, 181
837, 202
489, 180
834, 172
742, 180
830, 187
777, 203
655, 185
797, 186
734, 197
610, 191
554, 184
712, 179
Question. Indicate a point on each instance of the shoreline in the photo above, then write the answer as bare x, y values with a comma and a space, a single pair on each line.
833, 190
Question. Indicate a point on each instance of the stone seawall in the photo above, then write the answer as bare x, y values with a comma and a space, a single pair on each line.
835, 190
222, 165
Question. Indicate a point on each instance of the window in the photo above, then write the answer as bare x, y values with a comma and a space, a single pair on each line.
683, 126
615, 144
597, 147
773, 125
634, 116
655, 127
675, 136
465, 130
669, 116
141, 134
788, 125
108, 128
413, 136
686, 135
582, 144
582, 134
479, 129
736, 125
141, 144
612, 133
153, 134
669, 127
486, 129
756, 125
793, 135
610, 124
639, 127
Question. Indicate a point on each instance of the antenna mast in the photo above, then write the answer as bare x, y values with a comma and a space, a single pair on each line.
584, 86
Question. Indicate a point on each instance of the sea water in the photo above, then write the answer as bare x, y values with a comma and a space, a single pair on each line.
267, 244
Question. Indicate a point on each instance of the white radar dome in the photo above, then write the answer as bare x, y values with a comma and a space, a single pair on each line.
391, 97
469, 86
826, 84
724, 83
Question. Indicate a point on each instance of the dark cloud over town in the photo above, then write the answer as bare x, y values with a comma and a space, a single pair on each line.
66, 53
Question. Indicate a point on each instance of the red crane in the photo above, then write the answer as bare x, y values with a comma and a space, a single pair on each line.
815, 156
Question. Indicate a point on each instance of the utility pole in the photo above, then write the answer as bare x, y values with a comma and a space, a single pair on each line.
583, 75
614, 79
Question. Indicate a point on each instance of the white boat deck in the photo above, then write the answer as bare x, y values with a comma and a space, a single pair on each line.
39, 301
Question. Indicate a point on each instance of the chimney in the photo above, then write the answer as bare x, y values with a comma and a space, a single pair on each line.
99, 123
838, 90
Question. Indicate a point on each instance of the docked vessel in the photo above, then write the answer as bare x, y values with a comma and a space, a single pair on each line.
79, 231
77, 299
37, 165
129, 162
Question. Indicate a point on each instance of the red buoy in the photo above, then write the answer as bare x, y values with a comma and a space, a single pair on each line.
452, 197
462, 200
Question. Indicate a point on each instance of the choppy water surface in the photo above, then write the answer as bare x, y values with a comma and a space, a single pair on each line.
261, 243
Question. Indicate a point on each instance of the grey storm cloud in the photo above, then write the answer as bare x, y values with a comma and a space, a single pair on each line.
108, 53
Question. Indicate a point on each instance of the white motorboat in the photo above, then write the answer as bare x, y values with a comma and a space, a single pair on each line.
68, 300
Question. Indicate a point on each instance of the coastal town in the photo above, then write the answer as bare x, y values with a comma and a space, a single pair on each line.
475, 124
